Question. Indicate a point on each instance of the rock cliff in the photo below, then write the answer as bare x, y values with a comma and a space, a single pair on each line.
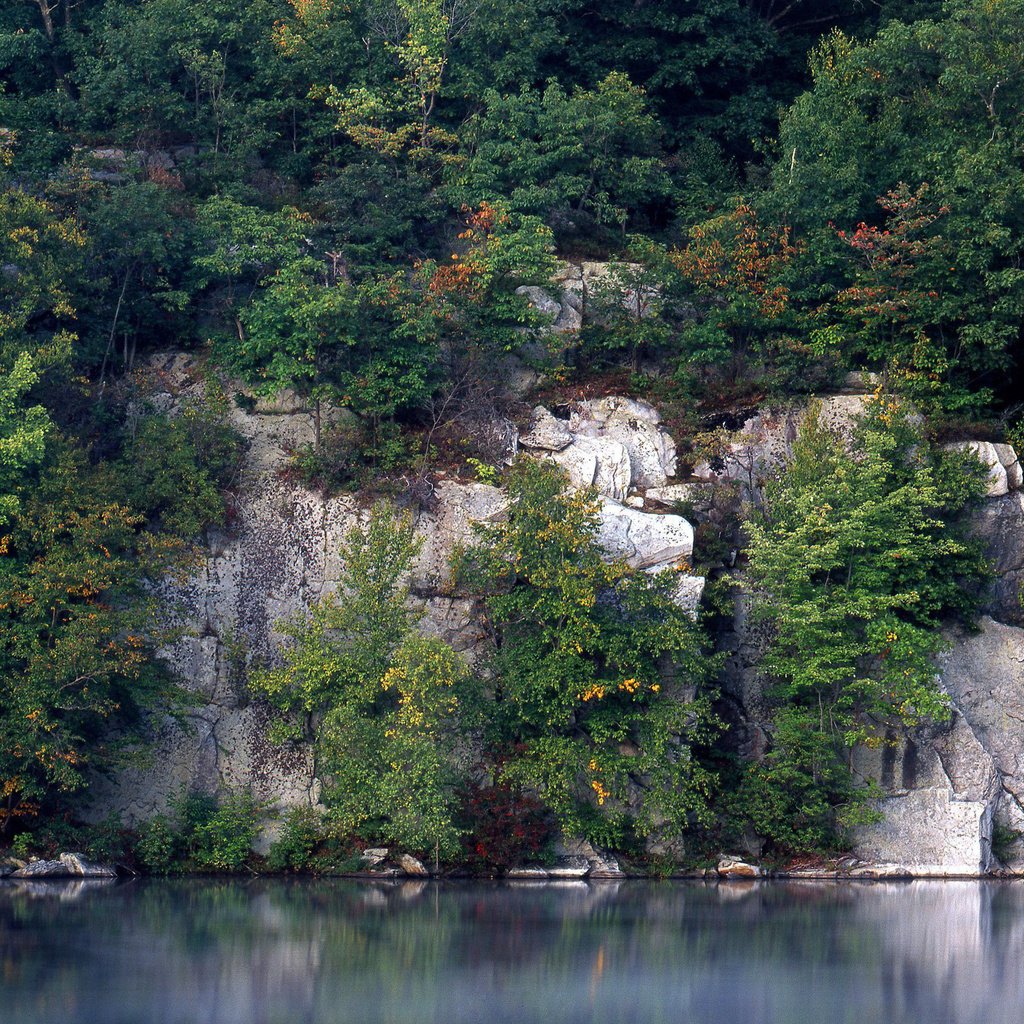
954, 795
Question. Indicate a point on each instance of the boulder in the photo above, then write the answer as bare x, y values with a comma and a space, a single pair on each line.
643, 539
42, 869
1009, 461
540, 301
374, 856
411, 866
570, 867
528, 874
687, 592
637, 427
601, 463
600, 864
546, 432
765, 440
78, 866
734, 867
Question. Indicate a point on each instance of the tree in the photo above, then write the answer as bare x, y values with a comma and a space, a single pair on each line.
630, 307
737, 269
23, 433
397, 119
590, 152
474, 294
932, 102
859, 555
595, 671
78, 634
381, 704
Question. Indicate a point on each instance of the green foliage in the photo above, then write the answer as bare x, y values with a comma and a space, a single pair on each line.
383, 704
77, 631
582, 704
854, 561
156, 845
473, 296
223, 841
924, 106
301, 834
23, 432
630, 306
176, 469
200, 833
589, 152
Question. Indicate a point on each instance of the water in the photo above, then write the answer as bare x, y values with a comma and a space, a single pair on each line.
335, 952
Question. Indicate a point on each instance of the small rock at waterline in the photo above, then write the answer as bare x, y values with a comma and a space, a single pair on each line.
733, 867
411, 866
78, 866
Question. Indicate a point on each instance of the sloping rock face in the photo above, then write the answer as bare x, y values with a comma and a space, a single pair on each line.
950, 790
1000, 526
955, 796
280, 556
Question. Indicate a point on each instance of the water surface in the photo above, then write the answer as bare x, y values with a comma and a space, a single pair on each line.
346, 952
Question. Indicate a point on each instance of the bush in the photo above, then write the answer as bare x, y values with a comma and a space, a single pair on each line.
504, 827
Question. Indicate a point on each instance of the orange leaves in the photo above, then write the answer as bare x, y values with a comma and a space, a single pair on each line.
734, 254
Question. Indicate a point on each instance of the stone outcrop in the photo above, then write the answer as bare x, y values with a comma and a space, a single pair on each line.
765, 440
1000, 526
280, 556
637, 427
642, 539
617, 445
1004, 469
68, 865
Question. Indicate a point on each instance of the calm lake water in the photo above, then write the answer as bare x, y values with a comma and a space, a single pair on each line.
334, 952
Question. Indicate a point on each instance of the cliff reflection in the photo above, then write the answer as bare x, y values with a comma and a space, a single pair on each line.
336, 951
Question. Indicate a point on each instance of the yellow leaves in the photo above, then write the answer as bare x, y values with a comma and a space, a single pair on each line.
629, 685
593, 692
602, 792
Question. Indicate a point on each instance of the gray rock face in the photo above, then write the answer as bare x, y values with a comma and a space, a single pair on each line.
949, 786
930, 833
281, 556
546, 432
1000, 525
601, 463
765, 441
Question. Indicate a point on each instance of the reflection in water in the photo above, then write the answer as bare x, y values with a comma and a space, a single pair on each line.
333, 952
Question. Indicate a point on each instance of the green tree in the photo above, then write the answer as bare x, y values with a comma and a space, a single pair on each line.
859, 555
928, 105
23, 431
590, 152
381, 704
596, 671
78, 633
